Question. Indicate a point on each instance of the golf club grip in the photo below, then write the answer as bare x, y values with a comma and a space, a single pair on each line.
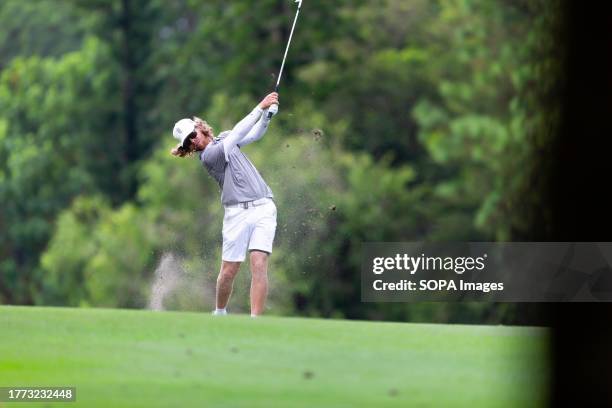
273, 109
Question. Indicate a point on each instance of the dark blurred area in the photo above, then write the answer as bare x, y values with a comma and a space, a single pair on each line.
582, 332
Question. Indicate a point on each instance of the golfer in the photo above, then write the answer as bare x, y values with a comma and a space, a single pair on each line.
249, 223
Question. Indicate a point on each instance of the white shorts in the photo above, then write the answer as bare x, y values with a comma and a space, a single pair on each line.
248, 228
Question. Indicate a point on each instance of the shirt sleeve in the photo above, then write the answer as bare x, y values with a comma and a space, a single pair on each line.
241, 129
256, 131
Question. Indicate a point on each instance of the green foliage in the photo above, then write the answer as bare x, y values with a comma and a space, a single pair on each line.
50, 146
481, 119
65, 269
115, 266
43, 28
380, 63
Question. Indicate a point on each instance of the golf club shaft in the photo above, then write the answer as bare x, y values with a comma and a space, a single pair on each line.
280, 73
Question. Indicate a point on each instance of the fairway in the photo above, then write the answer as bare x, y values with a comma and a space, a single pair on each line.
135, 358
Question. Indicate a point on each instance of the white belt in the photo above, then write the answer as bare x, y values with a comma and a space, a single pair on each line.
247, 204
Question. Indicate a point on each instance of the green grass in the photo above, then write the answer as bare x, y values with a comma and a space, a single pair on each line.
137, 358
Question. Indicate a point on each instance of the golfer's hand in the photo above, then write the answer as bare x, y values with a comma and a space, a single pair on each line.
269, 100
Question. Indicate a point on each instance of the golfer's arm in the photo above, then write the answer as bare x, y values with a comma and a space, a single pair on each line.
256, 131
241, 129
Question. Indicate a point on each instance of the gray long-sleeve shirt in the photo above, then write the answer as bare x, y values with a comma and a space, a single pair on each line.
230, 167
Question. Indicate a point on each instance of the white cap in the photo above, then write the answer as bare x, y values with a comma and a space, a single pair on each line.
182, 129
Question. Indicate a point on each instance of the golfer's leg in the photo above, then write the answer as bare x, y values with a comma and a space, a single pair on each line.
259, 281
225, 282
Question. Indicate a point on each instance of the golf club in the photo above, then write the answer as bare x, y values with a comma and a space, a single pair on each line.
274, 108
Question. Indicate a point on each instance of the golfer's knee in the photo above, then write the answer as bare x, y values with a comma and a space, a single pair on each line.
229, 270
259, 262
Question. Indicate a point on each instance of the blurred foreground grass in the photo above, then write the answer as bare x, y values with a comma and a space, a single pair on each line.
135, 358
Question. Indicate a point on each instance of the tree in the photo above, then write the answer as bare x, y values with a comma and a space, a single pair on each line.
50, 153
481, 124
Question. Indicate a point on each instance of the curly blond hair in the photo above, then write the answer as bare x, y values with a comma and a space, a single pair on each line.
187, 148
